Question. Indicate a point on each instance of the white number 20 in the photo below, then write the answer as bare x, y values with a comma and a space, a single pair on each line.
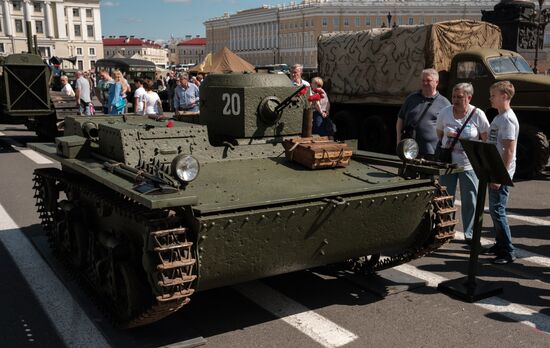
232, 104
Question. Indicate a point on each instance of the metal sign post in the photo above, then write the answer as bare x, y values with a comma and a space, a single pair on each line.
489, 168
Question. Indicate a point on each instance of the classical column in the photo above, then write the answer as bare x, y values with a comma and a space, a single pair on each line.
48, 19
7, 18
83, 25
70, 23
60, 18
27, 13
97, 24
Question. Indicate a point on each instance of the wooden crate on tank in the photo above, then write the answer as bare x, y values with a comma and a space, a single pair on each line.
317, 152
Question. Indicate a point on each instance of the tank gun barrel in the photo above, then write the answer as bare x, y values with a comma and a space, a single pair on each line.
286, 102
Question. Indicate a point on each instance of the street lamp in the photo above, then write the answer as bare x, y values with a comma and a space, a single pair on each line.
389, 19
543, 17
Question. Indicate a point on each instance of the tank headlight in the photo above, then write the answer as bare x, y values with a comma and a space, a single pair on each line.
407, 149
185, 168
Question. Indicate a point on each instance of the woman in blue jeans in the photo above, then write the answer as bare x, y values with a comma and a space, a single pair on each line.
449, 122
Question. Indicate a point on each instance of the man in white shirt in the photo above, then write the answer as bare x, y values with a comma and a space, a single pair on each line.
67, 89
138, 96
82, 94
504, 134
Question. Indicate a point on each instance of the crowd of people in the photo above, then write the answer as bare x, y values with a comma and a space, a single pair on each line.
434, 122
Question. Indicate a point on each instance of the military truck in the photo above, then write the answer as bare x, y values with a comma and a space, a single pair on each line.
148, 211
369, 74
24, 94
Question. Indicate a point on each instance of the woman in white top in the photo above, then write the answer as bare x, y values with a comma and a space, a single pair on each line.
151, 100
67, 89
449, 122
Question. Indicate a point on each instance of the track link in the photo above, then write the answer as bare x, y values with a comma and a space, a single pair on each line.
168, 246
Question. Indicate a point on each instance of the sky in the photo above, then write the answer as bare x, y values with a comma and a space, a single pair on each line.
159, 19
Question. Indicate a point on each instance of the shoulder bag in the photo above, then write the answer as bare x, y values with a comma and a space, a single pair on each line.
445, 154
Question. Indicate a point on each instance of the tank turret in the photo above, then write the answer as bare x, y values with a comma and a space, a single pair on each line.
248, 106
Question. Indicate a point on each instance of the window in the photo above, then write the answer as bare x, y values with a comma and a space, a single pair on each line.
411, 21
470, 70
335, 22
44, 52
80, 65
76, 12
37, 7
90, 30
399, 20
367, 21
92, 64
92, 51
18, 26
434, 19
357, 21
378, 21
79, 51
325, 22
39, 27
421, 21
17, 5
77, 31
346, 22
1, 26
88, 13
1, 48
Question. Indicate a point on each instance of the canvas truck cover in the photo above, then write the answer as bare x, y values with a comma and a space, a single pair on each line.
383, 65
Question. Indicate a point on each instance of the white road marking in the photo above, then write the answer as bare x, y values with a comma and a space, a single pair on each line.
30, 154
528, 219
71, 322
494, 304
317, 327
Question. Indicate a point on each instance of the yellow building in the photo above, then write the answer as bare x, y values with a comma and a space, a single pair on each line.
63, 29
288, 33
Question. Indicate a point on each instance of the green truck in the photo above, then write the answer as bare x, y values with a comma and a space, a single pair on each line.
369, 74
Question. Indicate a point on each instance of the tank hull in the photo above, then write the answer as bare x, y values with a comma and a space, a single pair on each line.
241, 246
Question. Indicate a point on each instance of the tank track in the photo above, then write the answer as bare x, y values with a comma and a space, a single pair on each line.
170, 283
444, 221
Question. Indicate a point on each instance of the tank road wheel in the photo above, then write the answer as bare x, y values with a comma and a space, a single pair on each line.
532, 152
46, 191
376, 136
128, 292
346, 125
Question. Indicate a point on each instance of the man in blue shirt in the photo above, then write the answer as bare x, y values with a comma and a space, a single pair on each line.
186, 96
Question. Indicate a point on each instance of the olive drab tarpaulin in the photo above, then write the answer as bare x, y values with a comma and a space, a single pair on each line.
383, 65
225, 61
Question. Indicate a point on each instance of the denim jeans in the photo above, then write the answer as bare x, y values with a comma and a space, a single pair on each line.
498, 199
468, 194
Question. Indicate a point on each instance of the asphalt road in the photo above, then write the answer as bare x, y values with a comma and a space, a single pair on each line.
43, 306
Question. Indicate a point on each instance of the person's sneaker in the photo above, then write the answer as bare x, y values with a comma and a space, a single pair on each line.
502, 260
489, 250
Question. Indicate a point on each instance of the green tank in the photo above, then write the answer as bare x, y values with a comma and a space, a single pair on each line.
150, 211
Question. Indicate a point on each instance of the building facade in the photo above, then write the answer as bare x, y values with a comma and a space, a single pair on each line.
62, 28
288, 33
132, 47
191, 51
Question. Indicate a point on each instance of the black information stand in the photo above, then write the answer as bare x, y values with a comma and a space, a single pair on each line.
488, 167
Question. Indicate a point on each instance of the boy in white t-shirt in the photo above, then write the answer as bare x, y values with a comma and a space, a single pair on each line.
504, 134
138, 96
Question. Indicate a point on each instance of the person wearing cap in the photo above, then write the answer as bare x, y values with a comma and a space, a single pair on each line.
186, 95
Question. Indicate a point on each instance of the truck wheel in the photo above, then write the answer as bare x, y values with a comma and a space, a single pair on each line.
375, 135
346, 125
532, 152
